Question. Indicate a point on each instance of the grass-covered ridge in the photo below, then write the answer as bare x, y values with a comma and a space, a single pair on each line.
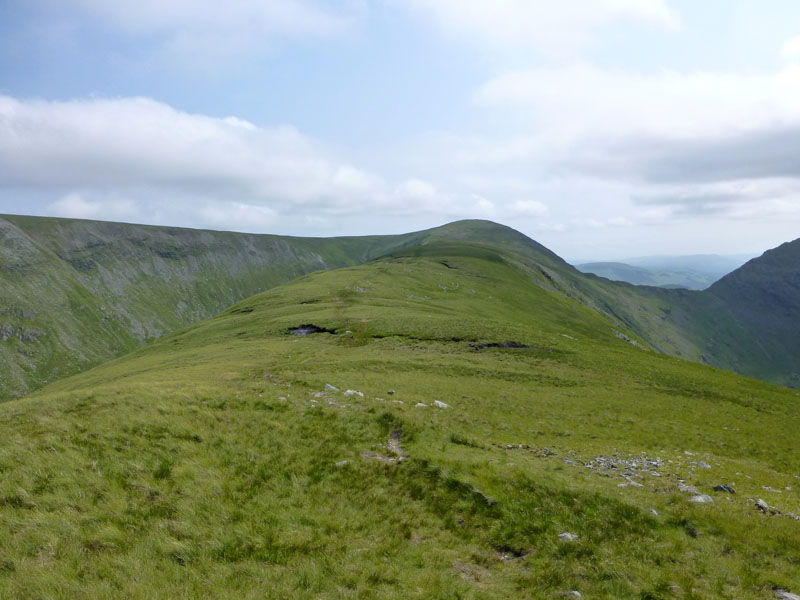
77, 293
215, 463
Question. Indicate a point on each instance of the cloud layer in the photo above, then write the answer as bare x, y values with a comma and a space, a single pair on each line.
105, 157
556, 28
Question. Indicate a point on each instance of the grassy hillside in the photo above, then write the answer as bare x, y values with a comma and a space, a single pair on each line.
764, 296
76, 293
221, 462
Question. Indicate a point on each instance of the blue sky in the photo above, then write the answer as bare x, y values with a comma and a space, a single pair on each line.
601, 128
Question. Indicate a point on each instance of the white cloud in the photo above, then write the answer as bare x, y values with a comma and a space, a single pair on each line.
214, 27
555, 27
237, 216
75, 206
221, 173
530, 208
790, 52
134, 142
416, 189
583, 100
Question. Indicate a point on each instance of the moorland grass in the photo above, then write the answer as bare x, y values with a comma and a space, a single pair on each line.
215, 464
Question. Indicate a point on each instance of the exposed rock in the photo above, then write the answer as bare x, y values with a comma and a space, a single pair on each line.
786, 595
6, 332
342, 463
421, 405
439, 404
354, 393
394, 446
724, 488
701, 499
308, 329
331, 388
703, 465
766, 488
762, 506
687, 489
567, 536
389, 460
631, 341
653, 512
391, 392
574, 594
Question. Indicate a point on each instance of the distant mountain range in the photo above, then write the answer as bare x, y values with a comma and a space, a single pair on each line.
693, 272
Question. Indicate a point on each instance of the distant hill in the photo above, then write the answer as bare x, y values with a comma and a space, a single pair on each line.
616, 271
693, 272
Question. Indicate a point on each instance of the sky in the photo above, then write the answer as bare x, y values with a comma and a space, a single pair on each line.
600, 128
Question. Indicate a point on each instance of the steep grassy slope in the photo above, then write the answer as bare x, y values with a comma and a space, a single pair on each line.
75, 293
764, 297
218, 463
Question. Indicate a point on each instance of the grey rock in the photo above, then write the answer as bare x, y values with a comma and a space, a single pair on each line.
701, 499
331, 388
30, 335
574, 594
762, 506
567, 536
687, 489
6, 332
354, 393
703, 465
724, 487
342, 463
653, 512
421, 405
786, 595
439, 404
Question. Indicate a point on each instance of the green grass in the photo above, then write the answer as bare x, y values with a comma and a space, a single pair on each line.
205, 465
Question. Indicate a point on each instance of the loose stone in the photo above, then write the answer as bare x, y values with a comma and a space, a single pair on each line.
701, 499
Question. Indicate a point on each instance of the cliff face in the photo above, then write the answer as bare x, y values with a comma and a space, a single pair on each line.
75, 293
